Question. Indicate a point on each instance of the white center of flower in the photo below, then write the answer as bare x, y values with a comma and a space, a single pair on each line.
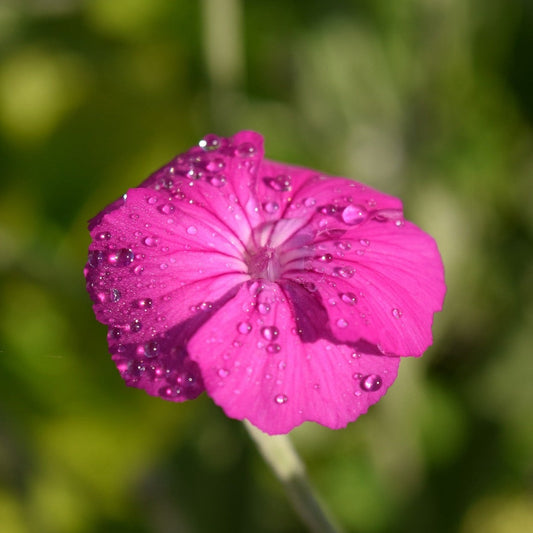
264, 263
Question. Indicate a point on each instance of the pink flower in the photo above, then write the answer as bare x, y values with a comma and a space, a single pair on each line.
285, 294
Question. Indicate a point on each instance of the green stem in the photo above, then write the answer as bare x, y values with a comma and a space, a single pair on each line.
280, 454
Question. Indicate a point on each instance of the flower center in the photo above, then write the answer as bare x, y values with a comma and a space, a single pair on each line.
264, 263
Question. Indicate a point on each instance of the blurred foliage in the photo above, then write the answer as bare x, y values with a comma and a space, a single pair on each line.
429, 100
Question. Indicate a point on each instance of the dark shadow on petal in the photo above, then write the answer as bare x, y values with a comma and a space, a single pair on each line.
312, 319
162, 366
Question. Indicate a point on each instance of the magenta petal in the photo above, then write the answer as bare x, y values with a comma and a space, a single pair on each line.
287, 294
256, 366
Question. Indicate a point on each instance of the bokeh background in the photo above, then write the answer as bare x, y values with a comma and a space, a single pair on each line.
431, 100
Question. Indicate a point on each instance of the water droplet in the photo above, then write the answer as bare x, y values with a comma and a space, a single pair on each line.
167, 209
143, 303
325, 258
120, 258
309, 202
281, 183
245, 149
216, 165
244, 327
151, 349
151, 242
270, 207
273, 347
341, 323
217, 181
344, 272
280, 399
364, 242
210, 143
163, 266
354, 214
115, 295
396, 313
138, 270
270, 332
328, 209
343, 245
263, 308
103, 236
95, 258
371, 383
136, 325
205, 306
223, 372
192, 230
115, 333
357, 376
349, 298
152, 200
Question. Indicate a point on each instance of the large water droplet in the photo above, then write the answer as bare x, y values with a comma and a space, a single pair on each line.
216, 165
120, 258
136, 325
263, 308
349, 298
344, 272
273, 347
103, 236
371, 383
151, 242
210, 143
280, 399
144, 303
281, 183
245, 149
151, 349
354, 214
95, 258
115, 295
244, 327
223, 372
270, 207
270, 332
341, 323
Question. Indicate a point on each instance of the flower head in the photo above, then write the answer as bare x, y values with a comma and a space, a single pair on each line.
285, 294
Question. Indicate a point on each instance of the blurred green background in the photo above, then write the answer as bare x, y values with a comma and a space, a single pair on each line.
431, 100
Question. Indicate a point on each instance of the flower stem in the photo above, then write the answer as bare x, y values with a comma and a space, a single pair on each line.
280, 454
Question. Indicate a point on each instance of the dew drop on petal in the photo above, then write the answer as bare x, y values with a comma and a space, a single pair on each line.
144, 303
151, 349
103, 236
325, 258
120, 258
280, 399
396, 313
281, 183
136, 325
245, 149
344, 272
341, 323
273, 347
217, 181
138, 270
244, 327
216, 165
192, 230
343, 245
270, 332
167, 209
151, 200
223, 372
151, 242
371, 383
349, 298
95, 258
354, 214
309, 202
210, 143
263, 308
364, 242
115, 295
270, 207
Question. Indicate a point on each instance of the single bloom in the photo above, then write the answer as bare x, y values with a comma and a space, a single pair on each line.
286, 294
